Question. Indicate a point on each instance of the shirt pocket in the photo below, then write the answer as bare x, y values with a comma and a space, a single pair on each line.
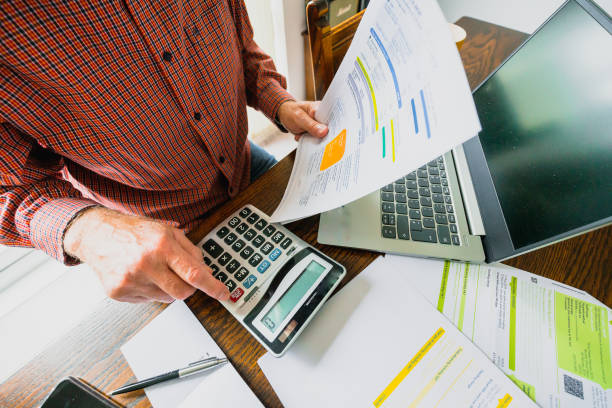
211, 23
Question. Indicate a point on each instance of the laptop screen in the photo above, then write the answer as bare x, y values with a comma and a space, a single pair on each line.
546, 116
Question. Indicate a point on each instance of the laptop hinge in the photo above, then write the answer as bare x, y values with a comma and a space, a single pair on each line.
467, 192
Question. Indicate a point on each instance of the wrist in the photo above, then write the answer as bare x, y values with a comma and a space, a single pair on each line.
76, 230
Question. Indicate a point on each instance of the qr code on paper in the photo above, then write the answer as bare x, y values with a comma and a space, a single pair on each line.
573, 386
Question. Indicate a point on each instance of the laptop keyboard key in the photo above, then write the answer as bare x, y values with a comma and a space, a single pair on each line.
441, 219
448, 200
451, 218
423, 183
388, 231
415, 225
429, 222
444, 235
427, 211
422, 173
411, 184
434, 179
426, 201
388, 188
446, 190
415, 214
400, 198
437, 198
426, 235
403, 232
434, 171
424, 192
388, 219
436, 189
400, 188
411, 176
453, 228
384, 196
439, 208
414, 204
455, 239
433, 163
412, 193
401, 209
449, 208
388, 207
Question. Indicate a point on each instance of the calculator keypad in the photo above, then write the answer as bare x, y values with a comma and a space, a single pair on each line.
242, 251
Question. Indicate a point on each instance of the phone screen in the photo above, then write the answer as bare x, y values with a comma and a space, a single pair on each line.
73, 394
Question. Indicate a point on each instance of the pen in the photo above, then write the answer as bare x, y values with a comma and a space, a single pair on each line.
192, 368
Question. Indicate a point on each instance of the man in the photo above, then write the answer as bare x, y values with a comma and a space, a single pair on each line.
122, 124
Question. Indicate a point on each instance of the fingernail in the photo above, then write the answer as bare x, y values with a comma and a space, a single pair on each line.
223, 295
320, 127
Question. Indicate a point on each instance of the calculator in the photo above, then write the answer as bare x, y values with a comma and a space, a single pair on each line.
277, 282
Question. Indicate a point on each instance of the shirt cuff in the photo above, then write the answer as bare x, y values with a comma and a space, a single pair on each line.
271, 98
49, 224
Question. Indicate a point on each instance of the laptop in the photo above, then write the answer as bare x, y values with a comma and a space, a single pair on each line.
539, 172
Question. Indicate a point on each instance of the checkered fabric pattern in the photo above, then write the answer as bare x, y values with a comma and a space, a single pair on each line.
139, 106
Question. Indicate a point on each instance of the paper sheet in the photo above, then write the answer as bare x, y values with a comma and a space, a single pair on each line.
172, 340
399, 99
551, 339
379, 343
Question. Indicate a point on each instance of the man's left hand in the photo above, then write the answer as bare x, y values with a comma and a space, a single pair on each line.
298, 118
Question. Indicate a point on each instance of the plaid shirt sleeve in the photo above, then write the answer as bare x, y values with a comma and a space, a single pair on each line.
36, 205
266, 88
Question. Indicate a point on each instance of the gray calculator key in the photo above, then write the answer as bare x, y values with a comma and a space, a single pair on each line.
388, 231
242, 228
257, 241
250, 234
246, 252
415, 225
453, 228
232, 266
245, 212
401, 209
234, 222
388, 207
212, 248
412, 193
415, 214
238, 245
207, 260
266, 248
221, 276
426, 201
222, 232
403, 232
439, 208
427, 211
241, 274
215, 269
278, 237
230, 284
426, 235
224, 259
269, 230
414, 204
384, 196
444, 235
400, 198
441, 219
285, 244
455, 239
261, 224
429, 222
231, 237
255, 259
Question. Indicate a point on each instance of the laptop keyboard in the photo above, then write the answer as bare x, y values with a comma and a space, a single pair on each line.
419, 207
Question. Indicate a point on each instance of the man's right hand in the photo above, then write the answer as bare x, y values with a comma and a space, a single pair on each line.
138, 259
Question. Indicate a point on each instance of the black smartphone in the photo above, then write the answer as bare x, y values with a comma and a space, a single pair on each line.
75, 393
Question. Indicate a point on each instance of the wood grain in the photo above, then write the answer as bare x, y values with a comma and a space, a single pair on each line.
91, 349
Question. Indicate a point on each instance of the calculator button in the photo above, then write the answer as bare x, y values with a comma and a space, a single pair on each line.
222, 232
234, 222
249, 281
275, 254
255, 259
232, 266
252, 218
250, 234
236, 294
242, 228
212, 248
241, 274
258, 241
230, 284
269, 230
207, 260
245, 212
229, 240
278, 237
263, 266
266, 248
285, 244
238, 245
221, 276
246, 252
214, 269
261, 224
224, 259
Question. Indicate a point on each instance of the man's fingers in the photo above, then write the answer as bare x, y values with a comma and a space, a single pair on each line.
307, 123
310, 107
173, 286
187, 244
195, 273
154, 293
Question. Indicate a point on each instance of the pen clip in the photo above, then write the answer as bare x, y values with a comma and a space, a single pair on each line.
205, 360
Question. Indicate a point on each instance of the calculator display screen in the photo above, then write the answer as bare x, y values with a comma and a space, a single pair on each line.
293, 295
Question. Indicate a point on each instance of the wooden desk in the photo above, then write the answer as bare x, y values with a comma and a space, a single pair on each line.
91, 350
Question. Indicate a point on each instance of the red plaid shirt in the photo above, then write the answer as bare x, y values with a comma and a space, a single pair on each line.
139, 106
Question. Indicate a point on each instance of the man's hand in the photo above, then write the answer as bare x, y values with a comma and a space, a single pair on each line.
139, 259
298, 118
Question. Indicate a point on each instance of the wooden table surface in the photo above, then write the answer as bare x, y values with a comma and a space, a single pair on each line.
91, 349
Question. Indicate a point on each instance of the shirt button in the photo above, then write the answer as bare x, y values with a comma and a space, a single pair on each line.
231, 190
221, 159
197, 116
167, 56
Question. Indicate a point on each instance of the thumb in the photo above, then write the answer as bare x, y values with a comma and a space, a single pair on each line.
310, 125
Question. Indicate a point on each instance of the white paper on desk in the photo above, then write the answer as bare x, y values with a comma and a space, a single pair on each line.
172, 340
399, 99
369, 333
560, 354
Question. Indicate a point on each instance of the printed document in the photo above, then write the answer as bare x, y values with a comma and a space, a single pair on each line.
552, 340
399, 99
379, 343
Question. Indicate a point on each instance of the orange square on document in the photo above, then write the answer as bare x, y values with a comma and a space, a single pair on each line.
334, 151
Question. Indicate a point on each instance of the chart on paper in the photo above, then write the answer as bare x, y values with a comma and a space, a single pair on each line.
399, 99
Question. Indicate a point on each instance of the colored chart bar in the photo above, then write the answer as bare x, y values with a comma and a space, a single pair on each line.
393, 140
425, 113
414, 116
367, 77
384, 143
384, 52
